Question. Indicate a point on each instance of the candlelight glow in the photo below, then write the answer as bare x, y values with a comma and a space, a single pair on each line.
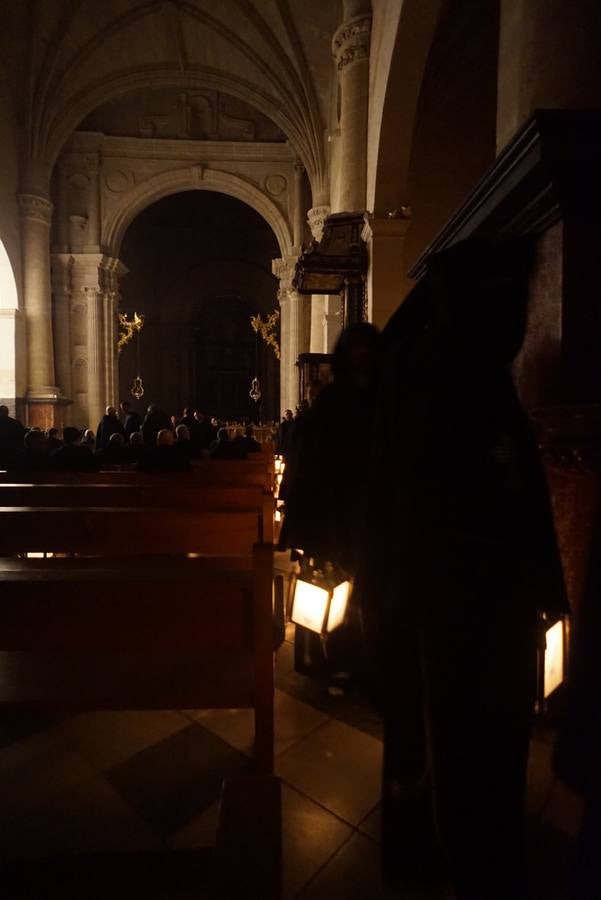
554, 658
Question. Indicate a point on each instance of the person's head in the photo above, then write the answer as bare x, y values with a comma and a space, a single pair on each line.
125, 406
70, 435
88, 436
182, 433
152, 409
222, 435
356, 355
199, 416
249, 431
165, 438
116, 440
136, 439
111, 411
288, 415
35, 442
52, 434
187, 412
3, 411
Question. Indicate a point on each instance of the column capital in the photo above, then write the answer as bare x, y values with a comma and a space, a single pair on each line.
35, 206
283, 268
316, 217
350, 43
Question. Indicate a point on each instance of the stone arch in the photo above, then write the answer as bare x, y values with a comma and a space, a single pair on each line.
399, 70
8, 286
124, 82
186, 179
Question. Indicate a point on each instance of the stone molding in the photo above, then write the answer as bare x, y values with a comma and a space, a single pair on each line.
350, 43
34, 206
60, 273
316, 217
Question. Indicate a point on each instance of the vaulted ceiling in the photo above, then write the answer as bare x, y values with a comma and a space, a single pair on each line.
66, 58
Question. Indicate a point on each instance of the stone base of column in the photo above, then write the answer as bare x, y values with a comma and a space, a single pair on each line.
45, 409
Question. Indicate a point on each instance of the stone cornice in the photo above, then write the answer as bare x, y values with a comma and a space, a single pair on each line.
167, 148
389, 227
34, 206
351, 42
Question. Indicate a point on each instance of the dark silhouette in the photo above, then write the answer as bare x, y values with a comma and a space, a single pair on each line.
11, 438
183, 442
459, 553
156, 420
164, 456
108, 425
223, 448
199, 430
53, 440
73, 456
34, 456
116, 453
131, 419
247, 440
284, 432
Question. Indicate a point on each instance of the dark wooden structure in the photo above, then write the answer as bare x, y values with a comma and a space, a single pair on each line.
337, 265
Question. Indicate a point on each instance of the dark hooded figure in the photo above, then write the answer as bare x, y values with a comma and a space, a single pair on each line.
324, 489
459, 552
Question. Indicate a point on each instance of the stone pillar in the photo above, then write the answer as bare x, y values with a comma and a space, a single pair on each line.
316, 217
299, 205
87, 284
387, 280
62, 264
42, 393
293, 339
111, 271
350, 47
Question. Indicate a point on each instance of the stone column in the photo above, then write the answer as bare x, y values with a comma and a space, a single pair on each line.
292, 331
387, 280
299, 205
62, 264
350, 47
316, 217
110, 271
42, 393
87, 281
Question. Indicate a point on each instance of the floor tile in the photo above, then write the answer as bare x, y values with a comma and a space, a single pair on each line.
200, 832
352, 874
87, 817
175, 780
110, 738
372, 824
284, 659
293, 720
36, 770
21, 723
337, 767
310, 836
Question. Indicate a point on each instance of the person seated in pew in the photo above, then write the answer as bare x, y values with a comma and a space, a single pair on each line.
223, 448
34, 457
164, 456
89, 439
53, 440
156, 420
183, 442
136, 445
73, 456
246, 440
117, 453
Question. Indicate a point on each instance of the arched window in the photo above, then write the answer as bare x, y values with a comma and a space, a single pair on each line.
8, 286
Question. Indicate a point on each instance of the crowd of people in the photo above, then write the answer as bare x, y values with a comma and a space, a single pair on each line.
157, 442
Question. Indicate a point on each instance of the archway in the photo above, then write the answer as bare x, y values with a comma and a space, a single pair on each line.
9, 333
199, 266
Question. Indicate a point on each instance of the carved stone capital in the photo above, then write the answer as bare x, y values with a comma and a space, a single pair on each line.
283, 268
34, 206
351, 42
316, 217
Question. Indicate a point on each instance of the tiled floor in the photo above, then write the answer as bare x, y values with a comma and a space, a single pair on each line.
139, 781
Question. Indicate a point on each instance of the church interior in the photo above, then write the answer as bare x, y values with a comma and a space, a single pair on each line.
198, 198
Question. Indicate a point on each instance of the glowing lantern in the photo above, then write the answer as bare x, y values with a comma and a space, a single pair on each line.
319, 602
554, 657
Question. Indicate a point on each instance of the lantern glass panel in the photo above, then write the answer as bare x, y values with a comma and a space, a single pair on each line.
338, 605
554, 658
309, 606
